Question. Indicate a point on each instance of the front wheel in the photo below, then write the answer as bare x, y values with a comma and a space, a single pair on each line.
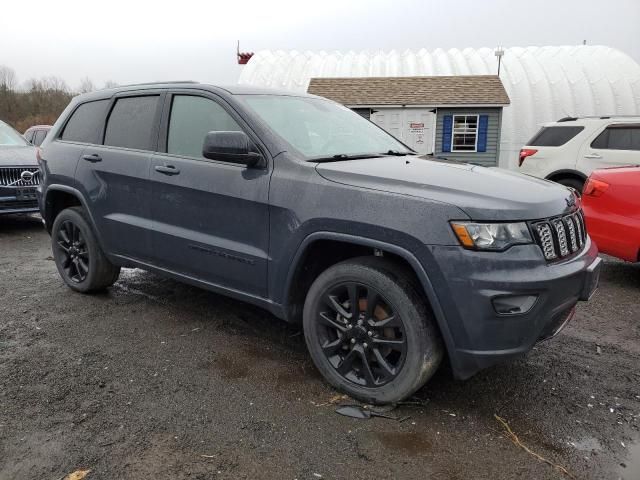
369, 332
81, 262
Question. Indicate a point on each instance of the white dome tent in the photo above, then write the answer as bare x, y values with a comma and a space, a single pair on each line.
543, 83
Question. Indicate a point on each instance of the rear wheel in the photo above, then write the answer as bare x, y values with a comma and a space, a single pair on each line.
369, 332
80, 260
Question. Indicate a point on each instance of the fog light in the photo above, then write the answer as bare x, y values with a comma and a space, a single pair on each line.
513, 304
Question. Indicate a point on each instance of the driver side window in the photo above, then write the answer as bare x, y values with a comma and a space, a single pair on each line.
191, 119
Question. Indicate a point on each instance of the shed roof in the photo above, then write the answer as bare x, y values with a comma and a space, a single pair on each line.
424, 90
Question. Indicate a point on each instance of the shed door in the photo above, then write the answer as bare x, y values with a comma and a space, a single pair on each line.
414, 126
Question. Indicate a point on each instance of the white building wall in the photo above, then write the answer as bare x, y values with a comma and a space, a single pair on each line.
543, 83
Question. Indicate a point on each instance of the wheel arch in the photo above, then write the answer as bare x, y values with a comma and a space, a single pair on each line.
566, 173
292, 312
59, 197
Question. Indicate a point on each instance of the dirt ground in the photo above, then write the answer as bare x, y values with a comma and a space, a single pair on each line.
155, 379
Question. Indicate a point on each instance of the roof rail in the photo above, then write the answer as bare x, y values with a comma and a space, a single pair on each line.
600, 117
168, 82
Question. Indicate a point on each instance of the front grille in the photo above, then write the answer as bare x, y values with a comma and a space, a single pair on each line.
560, 237
13, 176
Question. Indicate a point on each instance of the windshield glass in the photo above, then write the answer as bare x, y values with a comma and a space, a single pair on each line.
8, 136
320, 128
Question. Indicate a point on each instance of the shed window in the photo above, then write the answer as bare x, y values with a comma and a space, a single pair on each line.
465, 133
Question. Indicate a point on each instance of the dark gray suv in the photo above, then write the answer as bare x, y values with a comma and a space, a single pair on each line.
299, 205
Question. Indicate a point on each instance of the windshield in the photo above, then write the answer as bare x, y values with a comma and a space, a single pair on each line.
8, 136
320, 128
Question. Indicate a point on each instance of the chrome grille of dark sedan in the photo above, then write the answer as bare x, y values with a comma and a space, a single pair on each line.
560, 237
15, 176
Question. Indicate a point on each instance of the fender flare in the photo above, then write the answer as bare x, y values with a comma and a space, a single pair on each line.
420, 272
76, 193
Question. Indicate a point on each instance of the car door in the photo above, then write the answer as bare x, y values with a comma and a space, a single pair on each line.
115, 174
210, 218
616, 145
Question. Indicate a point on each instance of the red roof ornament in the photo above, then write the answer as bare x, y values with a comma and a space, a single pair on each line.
243, 58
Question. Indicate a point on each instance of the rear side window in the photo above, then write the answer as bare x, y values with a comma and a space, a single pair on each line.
131, 122
554, 136
190, 121
38, 138
618, 138
85, 124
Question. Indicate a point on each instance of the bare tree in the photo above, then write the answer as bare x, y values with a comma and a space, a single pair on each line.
86, 85
55, 84
39, 101
8, 79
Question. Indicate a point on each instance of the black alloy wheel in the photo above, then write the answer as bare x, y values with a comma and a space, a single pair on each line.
80, 261
74, 252
361, 335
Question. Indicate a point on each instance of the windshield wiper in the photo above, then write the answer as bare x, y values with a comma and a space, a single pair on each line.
396, 153
343, 156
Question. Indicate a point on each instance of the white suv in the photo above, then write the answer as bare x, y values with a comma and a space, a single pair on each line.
567, 151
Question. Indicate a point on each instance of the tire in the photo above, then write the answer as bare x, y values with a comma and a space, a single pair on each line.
574, 183
80, 261
398, 324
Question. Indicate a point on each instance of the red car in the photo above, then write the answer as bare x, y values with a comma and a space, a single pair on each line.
611, 202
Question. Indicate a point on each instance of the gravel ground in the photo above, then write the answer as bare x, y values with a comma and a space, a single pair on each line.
155, 379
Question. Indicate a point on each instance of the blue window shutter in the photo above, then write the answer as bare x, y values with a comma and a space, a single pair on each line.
447, 128
483, 123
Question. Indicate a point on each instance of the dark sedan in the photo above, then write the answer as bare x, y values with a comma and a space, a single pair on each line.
19, 173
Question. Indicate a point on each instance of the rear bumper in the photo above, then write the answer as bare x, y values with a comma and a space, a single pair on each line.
478, 335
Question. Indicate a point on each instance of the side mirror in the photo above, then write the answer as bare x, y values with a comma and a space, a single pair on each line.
232, 147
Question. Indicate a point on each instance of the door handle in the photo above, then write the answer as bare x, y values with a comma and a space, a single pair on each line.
93, 158
167, 169
593, 155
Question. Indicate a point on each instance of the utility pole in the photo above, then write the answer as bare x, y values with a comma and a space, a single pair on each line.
499, 53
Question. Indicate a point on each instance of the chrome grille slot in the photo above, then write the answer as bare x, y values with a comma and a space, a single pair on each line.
13, 177
571, 228
579, 219
546, 241
560, 237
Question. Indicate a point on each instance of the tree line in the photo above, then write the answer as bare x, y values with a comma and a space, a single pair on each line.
36, 101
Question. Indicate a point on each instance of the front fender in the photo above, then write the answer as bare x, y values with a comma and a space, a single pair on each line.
405, 254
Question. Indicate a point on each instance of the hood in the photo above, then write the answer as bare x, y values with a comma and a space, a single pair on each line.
482, 193
18, 156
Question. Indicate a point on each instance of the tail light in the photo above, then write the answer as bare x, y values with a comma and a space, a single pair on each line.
594, 188
524, 153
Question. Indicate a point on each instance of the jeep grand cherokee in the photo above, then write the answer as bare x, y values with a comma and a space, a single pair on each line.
301, 206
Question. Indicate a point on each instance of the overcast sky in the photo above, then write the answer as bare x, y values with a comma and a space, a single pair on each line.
129, 41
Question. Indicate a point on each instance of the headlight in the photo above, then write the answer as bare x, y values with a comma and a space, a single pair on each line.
491, 236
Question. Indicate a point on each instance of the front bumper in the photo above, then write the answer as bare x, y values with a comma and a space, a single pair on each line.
467, 284
18, 200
